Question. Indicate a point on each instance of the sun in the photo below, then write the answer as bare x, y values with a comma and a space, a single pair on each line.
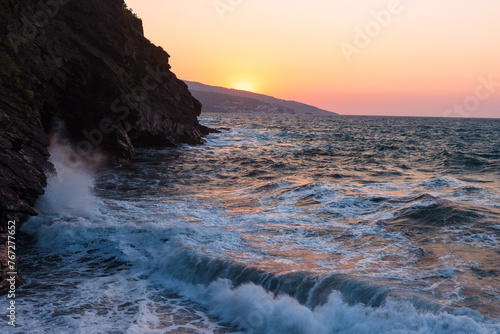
244, 85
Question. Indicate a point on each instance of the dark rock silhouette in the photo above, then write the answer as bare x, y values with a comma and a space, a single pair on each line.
85, 64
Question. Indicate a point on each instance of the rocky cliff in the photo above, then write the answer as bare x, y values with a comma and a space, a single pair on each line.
87, 65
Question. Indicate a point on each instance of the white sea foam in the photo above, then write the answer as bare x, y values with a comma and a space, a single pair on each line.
444, 182
163, 244
248, 306
252, 308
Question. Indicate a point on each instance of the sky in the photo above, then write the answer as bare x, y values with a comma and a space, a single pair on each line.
356, 57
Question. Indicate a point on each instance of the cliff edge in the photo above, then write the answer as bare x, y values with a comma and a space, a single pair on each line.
87, 65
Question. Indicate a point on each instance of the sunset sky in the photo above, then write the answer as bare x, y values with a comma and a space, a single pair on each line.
365, 57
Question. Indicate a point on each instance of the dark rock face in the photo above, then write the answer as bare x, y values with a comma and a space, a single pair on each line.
23, 161
88, 65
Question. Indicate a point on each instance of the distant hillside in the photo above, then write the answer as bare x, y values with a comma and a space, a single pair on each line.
225, 100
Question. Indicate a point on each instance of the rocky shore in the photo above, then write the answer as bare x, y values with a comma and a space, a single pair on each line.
85, 70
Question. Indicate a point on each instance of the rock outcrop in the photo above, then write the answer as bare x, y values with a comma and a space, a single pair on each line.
87, 65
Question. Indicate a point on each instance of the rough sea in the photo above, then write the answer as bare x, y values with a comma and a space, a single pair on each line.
283, 224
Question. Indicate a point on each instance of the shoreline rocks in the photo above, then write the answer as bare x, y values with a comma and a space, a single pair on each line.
88, 66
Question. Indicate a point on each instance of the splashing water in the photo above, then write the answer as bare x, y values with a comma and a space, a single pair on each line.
283, 225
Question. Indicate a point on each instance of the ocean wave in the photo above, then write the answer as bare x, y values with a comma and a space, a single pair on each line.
252, 308
274, 227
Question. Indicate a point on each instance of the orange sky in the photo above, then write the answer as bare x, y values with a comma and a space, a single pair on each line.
395, 57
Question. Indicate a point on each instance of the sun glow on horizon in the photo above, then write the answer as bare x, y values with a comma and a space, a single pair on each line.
421, 63
244, 85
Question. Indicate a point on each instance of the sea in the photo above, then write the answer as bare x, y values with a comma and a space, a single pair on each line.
278, 224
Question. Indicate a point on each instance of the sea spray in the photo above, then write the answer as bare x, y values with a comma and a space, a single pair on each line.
251, 308
189, 239
69, 187
68, 200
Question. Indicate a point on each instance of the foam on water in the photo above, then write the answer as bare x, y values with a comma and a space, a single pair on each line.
252, 308
184, 240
